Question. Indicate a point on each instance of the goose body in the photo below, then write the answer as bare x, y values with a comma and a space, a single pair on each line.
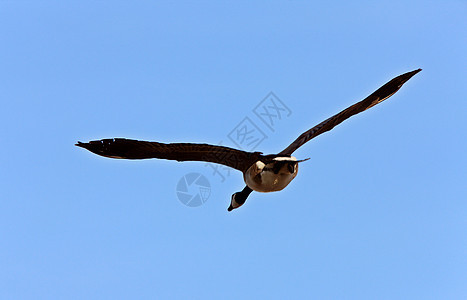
271, 177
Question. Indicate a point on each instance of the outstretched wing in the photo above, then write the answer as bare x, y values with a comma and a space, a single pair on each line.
133, 149
378, 96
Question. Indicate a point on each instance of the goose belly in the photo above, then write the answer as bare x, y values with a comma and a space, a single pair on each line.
268, 181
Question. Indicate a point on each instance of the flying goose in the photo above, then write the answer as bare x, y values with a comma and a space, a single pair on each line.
261, 173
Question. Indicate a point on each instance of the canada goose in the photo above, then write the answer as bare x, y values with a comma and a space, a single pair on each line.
261, 173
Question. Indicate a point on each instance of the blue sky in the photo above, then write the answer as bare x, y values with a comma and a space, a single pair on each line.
378, 212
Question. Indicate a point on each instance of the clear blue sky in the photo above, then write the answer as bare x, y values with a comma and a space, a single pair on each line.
379, 211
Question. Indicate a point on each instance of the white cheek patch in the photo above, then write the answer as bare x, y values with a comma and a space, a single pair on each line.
292, 158
260, 165
234, 203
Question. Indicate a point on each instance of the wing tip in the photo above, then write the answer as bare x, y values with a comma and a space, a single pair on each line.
86, 146
401, 79
412, 73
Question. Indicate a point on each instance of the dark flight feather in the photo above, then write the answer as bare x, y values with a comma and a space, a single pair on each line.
378, 96
133, 149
